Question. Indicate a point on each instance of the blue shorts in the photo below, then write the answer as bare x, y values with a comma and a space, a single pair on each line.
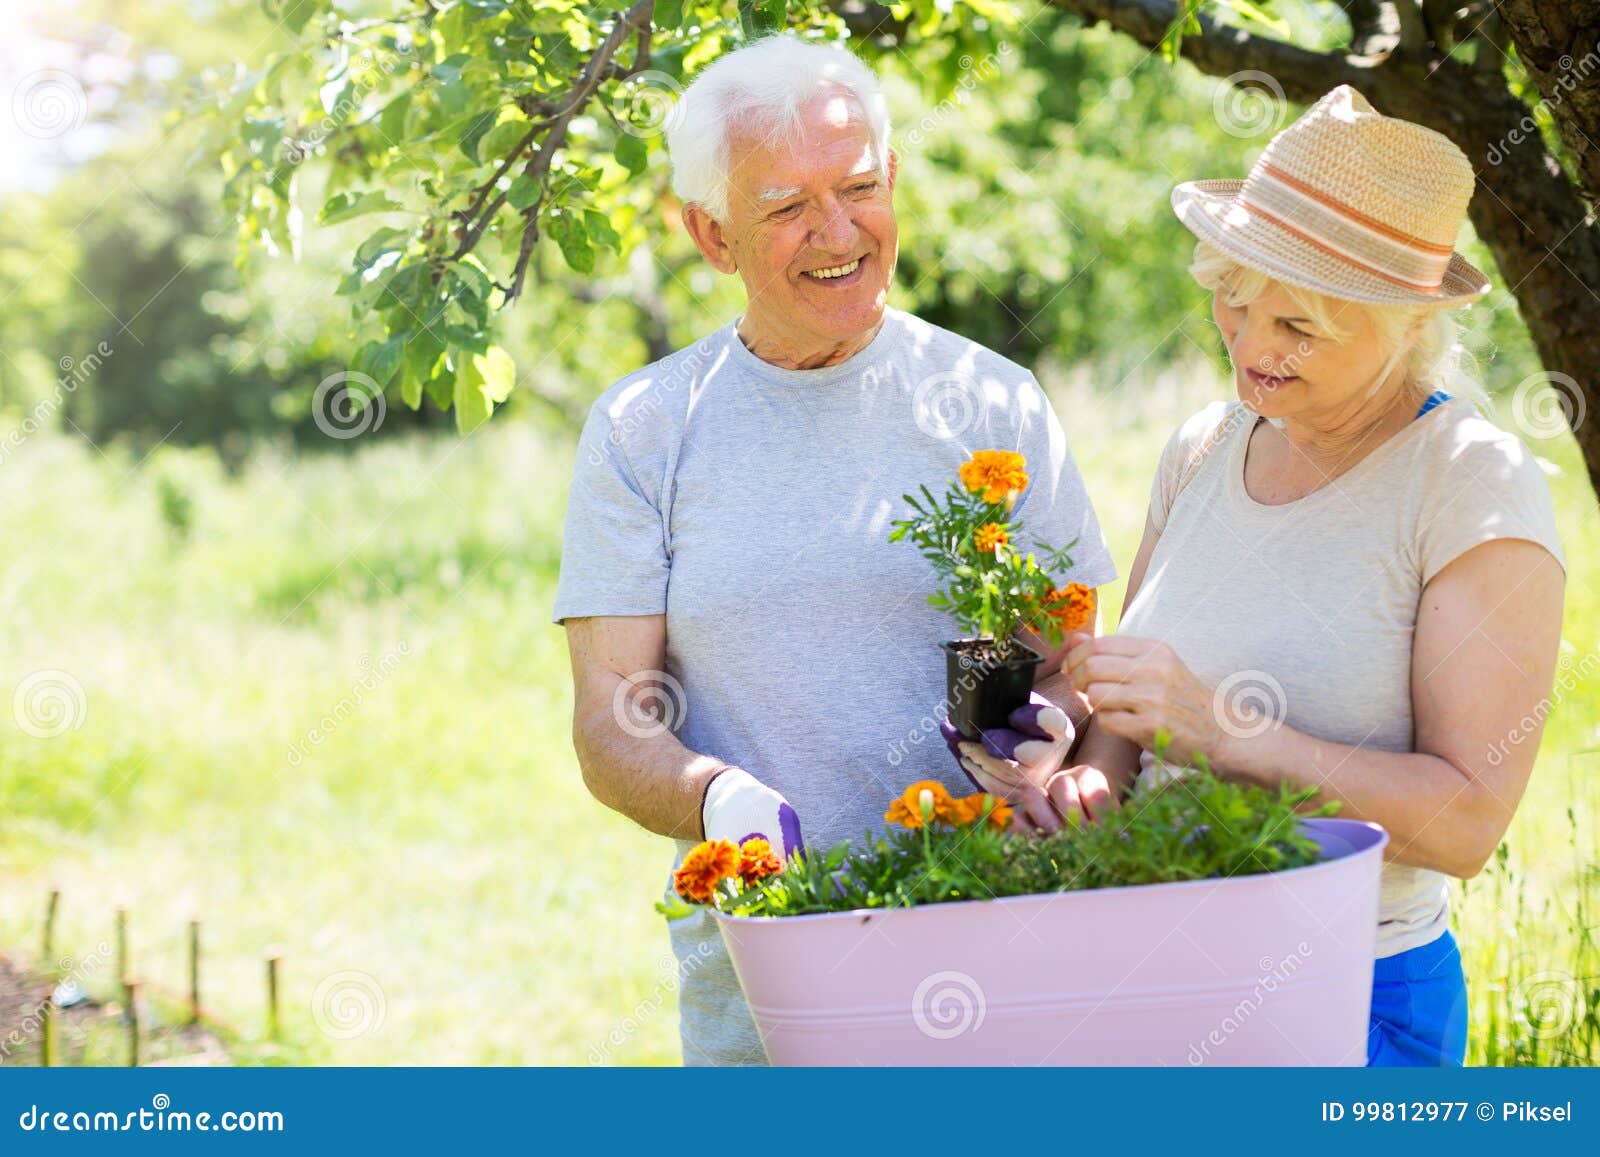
1419, 1007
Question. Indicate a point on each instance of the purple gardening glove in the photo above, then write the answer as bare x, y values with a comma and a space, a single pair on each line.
739, 806
1023, 763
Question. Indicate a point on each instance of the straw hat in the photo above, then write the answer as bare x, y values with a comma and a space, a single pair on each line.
1350, 203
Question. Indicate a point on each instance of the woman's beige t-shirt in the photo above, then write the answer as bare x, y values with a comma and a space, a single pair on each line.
1306, 609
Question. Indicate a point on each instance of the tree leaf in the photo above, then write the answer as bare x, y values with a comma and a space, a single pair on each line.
344, 206
573, 238
497, 372
524, 191
632, 153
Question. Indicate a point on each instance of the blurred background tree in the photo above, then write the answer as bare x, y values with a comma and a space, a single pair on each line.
317, 200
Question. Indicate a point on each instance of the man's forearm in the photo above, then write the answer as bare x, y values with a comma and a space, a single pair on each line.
653, 780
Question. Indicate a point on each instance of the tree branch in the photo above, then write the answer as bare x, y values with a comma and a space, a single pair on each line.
589, 81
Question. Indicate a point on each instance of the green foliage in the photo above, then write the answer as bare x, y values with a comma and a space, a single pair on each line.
990, 592
1196, 827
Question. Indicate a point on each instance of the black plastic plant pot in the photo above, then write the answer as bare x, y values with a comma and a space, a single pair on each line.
981, 691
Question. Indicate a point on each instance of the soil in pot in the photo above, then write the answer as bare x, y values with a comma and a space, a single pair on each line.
982, 690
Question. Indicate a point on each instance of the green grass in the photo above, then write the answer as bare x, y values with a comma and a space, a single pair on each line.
435, 853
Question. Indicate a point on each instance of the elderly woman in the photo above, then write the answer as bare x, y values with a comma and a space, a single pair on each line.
727, 556
1349, 580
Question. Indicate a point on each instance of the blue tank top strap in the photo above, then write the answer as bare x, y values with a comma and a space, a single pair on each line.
1433, 400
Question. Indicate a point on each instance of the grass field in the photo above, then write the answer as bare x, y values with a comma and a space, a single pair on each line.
320, 707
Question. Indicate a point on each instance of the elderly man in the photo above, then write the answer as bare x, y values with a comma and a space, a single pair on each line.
750, 654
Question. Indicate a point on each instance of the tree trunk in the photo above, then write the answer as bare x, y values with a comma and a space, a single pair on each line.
1528, 211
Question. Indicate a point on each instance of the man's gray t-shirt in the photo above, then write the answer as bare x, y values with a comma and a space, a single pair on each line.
752, 506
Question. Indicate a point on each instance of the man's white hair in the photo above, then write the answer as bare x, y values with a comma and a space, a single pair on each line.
762, 87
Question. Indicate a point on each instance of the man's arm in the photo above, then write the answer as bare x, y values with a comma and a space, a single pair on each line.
631, 761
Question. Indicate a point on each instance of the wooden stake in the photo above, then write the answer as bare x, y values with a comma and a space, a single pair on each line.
47, 1019
50, 932
130, 989
47, 1031
194, 972
122, 945
272, 995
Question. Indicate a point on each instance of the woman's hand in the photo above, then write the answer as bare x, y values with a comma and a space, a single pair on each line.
1138, 687
1022, 765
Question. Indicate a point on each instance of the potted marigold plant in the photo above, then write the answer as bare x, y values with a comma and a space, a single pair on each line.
992, 587
1202, 923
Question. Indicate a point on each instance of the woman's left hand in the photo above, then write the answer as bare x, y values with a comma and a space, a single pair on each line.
1137, 687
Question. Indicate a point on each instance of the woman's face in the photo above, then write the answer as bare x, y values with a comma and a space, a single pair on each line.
1285, 366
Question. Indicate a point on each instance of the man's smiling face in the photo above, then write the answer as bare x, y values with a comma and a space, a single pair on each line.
811, 230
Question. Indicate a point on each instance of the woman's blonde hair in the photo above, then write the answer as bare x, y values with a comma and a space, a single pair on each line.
1437, 359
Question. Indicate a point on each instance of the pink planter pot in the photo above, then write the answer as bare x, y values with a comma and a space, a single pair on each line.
1258, 970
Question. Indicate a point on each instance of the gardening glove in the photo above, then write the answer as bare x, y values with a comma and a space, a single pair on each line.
738, 806
1024, 767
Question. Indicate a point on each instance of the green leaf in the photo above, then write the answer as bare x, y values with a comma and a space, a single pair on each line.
293, 14
524, 191
344, 206
632, 153
475, 130
762, 17
474, 394
392, 121
573, 238
384, 359
498, 372
668, 14
600, 230
504, 136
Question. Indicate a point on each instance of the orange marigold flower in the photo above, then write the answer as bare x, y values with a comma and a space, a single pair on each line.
971, 808
757, 860
995, 472
907, 809
989, 536
707, 865
1072, 605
